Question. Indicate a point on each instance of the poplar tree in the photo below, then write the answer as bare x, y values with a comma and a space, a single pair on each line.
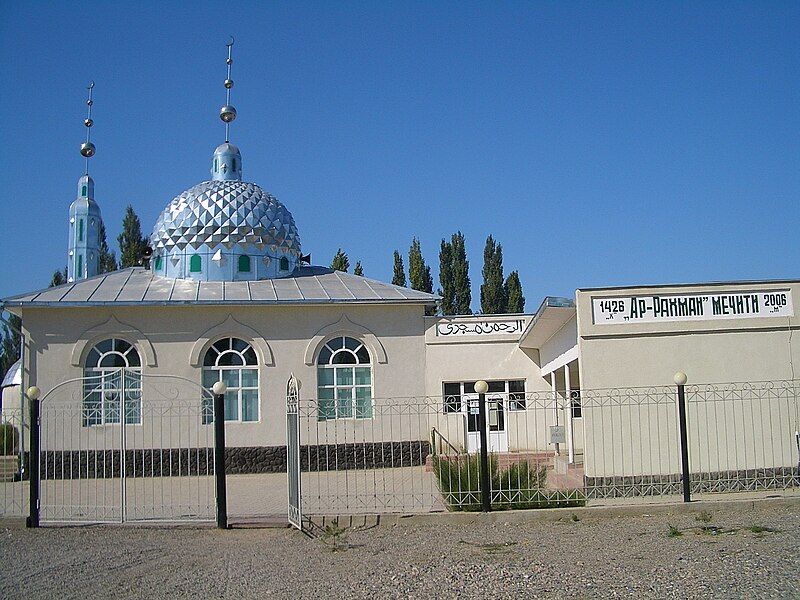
106, 259
493, 300
132, 243
461, 283
9, 348
513, 293
399, 276
419, 274
340, 261
358, 269
447, 290
59, 278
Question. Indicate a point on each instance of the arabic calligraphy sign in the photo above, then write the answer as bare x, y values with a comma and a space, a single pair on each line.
455, 328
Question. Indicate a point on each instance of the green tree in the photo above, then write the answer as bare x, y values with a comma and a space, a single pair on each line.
419, 274
340, 261
493, 298
358, 269
461, 282
399, 276
106, 259
513, 293
59, 278
447, 290
132, 243
9, 348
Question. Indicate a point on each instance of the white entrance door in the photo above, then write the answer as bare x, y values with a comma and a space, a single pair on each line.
498, 435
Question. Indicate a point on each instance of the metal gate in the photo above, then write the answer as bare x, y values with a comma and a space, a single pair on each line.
121, 446
293, 452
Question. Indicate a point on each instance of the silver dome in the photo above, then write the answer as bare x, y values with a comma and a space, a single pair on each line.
225, 213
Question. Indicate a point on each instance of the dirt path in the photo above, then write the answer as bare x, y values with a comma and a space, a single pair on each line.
729, 552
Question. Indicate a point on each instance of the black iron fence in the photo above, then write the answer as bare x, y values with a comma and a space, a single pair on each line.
547, 450
419, 454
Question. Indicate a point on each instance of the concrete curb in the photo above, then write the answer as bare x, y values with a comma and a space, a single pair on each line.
541, 515
550, 514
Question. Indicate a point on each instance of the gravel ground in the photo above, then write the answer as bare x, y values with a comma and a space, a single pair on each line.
595, 556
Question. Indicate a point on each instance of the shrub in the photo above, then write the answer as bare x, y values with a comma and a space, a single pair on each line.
9, 439
520, 485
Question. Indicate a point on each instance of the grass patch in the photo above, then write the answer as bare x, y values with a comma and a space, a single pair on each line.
673, 531
503, 548
760, 529
703, 517
521, 485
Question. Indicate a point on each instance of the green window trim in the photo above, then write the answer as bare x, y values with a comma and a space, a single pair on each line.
244, 263
195, 264
84, 191
159, 262
80, 230
79, 269
284, 264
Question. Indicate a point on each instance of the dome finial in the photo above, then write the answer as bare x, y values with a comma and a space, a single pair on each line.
87, 148
228, 113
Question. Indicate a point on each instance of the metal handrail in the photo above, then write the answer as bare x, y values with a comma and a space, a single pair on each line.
436, 433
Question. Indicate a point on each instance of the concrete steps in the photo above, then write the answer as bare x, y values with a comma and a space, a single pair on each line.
566, 476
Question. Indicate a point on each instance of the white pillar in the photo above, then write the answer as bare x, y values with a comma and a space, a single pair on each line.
568, 392
555, 401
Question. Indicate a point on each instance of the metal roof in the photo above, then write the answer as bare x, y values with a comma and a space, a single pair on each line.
138, 286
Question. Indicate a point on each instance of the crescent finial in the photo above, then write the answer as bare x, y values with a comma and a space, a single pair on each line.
230, 43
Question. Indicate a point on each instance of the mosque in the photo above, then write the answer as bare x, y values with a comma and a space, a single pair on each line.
228, 295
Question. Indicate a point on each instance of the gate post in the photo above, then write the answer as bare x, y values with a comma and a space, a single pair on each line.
481, 387
33, 460
219, 390
680, 381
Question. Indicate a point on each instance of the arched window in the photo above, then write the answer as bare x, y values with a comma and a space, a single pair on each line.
113, 376
83, 191
79, 269
344, 380
284, 263
80, 230
234, 361
195, 264
244, 263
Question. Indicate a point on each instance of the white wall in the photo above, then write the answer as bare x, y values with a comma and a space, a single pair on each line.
731, 427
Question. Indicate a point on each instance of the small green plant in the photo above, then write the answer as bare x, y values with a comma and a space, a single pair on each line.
9, 439
491, 548
520, 485
574, 518
335, 537
674, 531
703, 517
758, 529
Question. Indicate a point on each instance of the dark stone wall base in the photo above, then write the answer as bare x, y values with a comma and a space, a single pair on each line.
719, 481
179, 462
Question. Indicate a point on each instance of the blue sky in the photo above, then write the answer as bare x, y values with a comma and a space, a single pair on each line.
600, 143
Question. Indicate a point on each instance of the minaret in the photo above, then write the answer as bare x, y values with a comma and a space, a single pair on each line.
227, 161
84, 215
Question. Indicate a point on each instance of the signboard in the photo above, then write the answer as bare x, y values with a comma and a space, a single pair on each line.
558, 434
471, 327
474, 407
692, 307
